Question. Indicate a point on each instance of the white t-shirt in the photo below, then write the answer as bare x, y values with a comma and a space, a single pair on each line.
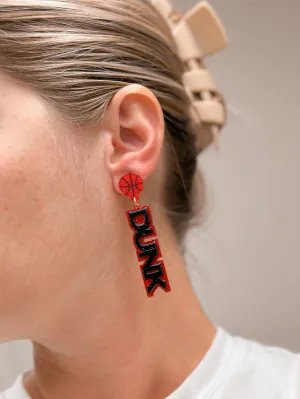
233, 368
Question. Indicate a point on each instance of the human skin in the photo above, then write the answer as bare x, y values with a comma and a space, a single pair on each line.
69, 277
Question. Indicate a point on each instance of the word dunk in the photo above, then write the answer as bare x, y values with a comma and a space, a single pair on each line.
148, 250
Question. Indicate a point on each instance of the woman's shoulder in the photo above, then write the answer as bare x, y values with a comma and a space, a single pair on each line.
240, 368
267, 355
263, 371
234, 368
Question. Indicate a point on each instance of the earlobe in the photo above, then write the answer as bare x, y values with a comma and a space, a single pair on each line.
135, 121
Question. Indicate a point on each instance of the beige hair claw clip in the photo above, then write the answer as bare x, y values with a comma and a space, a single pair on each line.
197, 34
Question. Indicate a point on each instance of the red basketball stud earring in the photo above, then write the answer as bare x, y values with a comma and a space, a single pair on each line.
144, 238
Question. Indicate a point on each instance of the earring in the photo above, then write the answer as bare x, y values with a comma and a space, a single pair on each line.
144, 238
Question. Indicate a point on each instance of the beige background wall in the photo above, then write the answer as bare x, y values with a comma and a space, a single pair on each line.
244, 261
250, 245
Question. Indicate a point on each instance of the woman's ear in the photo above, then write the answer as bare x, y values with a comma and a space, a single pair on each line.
135, 121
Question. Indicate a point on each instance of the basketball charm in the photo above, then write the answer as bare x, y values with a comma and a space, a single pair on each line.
131, 185
144, 237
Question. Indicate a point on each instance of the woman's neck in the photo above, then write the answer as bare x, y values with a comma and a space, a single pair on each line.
110, 340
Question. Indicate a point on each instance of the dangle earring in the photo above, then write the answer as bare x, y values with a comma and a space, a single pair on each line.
144, 238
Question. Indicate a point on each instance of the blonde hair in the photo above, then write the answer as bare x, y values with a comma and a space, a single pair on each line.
79, 53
